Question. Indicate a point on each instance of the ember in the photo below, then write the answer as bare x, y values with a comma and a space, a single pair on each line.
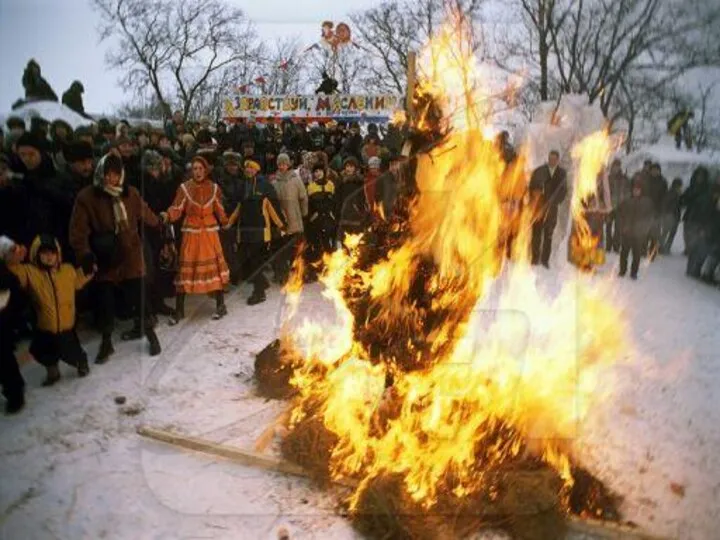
450, 387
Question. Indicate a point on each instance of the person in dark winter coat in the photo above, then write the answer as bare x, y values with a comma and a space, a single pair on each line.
548, 189
230, 178
131, 161
354, 143
670, 216
52, 286
351, 207
36, 87
702, 221
79, 167
40, 204
104, 229
656, 189
620, 190
691, 200
72, 97
11, 380
711, 264
636, 216
159, 188
322, 221
257, 212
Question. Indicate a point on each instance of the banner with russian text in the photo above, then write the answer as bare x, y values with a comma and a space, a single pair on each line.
348, 107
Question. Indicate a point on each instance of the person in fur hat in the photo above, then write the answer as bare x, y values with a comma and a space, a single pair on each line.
11, 306
72, 97
79, 166
351, 207
105, 229
322, 221
294, 203
52, 285
230, 179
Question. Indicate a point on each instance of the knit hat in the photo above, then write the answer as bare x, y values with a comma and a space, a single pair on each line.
252, 164
122, 140
31, 139
150, 160
374, 162
203, 137
6, 247
318, 166
15, 122
351, 160
229, 156
76, 151
284, 158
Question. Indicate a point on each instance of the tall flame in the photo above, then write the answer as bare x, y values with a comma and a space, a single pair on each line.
498, 367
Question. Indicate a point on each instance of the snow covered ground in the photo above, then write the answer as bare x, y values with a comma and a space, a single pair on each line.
72, 466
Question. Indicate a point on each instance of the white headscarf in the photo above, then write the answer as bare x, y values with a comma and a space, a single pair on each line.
119, 210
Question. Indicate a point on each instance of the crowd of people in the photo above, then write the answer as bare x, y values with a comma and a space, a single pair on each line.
114, 220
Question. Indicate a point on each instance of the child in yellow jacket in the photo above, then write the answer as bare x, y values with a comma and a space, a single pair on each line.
52, 285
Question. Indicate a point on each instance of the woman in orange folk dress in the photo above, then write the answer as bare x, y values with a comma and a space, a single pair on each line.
203, 268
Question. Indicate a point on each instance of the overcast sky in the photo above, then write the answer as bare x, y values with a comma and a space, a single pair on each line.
62, 36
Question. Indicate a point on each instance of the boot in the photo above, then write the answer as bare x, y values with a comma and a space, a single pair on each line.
53, 375
82, 368
106, 349
155, 347
15, 404
134, 333
257, 297
179, 310
220, 309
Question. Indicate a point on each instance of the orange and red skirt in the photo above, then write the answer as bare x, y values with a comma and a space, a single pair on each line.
202, 267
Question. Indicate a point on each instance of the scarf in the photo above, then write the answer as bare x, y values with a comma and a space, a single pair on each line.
119, 211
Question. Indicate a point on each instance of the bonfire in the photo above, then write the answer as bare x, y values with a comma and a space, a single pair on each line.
451, 385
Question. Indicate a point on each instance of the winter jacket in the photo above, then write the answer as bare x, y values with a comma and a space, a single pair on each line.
258, 210
636, 216
671, 204
232, 189
619, 188
92, 226
293, 199
36, 203
321, 203
52, 291
657, 188
351, 205
550, 190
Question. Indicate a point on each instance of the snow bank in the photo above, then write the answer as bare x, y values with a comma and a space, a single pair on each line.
49, 110
675, 163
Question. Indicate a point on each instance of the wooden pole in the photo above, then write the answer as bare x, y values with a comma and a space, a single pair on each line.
248, 458
411, 79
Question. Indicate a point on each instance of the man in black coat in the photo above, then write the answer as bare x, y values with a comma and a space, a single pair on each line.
619, 185
79, 167
657, 188
40, 204
636, 216
11, 381
548, 189
670, 216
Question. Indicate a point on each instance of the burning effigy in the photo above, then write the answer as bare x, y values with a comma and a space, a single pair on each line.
450, 385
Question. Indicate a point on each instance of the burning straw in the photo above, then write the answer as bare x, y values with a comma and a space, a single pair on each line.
449, 387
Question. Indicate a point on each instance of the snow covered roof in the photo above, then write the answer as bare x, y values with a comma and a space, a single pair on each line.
50, 111
674, 163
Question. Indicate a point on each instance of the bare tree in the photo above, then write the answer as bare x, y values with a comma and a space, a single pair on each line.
282, 66
177, 48
392, 29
